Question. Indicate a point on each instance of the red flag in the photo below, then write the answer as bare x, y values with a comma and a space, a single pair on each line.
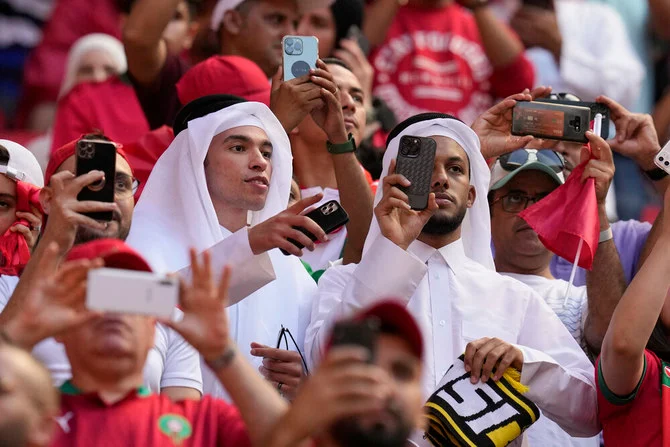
13, 246
565, 216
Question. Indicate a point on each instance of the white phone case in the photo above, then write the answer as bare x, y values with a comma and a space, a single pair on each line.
662, 159
300, 54
131, 292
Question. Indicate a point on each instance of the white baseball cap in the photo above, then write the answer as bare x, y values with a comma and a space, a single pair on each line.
509, 165
22, 164
226, 5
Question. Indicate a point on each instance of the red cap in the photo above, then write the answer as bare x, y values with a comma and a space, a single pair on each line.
232, 75
115, 253
66, 151
394, 318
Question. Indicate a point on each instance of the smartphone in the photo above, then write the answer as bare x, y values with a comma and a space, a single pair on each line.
330, 216
416, 159
551, 121
97, 155
131, 292
357, 35
357, 333
662, 159
595, 108
300, 54
544, 4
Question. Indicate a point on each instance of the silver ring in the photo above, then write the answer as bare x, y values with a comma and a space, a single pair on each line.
279, 386
38, 228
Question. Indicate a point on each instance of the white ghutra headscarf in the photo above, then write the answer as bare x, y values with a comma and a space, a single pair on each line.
476, 227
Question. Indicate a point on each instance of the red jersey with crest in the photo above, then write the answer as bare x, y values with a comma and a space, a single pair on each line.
147, 420
433, 60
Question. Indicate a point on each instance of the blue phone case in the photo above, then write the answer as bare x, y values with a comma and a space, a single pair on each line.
300, 54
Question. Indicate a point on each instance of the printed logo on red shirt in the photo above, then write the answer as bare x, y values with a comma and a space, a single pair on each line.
667, 371
176, 427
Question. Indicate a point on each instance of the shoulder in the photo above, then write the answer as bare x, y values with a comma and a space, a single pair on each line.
336, 277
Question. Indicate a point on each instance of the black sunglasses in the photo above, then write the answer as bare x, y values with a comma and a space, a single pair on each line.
518, 158
283, 332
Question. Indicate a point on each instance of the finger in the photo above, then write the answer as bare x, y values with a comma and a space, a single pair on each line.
391, 168
195, 266
504, 364
540, 92
277, 78
311, 226
82, 181
616, 109
395, 193
90, 206
395, 179
470, 351
207, 271
343, 355
32, 219
509, 103
479, 358
22, 229
324, 82
60, 179
322, 65
603, 151
351, 47
584, 154
224, 285
289, 368
392, 203
289, 248
331, 99
300, 237
492, 358
275, 354
85, 221
279, 377
517, 142
300, 205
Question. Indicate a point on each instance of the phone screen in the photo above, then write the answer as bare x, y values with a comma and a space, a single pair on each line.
541, 122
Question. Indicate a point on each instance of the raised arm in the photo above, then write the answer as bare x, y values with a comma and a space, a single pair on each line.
146, 50
659, 13
622, 357
378, 19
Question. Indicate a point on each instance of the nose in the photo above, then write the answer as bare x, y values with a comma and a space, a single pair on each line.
440, 178
347, 101
257, 161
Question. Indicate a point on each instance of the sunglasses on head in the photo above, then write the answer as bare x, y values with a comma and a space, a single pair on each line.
520, 157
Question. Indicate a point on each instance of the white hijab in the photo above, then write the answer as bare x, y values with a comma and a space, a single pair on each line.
92, 42
476, 227
176, 212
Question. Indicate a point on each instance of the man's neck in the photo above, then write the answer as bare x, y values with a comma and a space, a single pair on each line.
110, 388
231, 219
530, 268
312, 164
438, 241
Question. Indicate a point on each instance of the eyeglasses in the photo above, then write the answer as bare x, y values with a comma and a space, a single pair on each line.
125, 186
564, 97
518, 158
515, 202
283, 332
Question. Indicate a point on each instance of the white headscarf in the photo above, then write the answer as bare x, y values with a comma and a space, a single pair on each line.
476, 227
176, 212
92, 42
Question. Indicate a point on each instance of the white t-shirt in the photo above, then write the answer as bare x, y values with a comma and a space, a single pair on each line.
172, 362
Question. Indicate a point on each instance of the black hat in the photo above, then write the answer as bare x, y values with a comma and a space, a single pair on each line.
415, 119
201, 107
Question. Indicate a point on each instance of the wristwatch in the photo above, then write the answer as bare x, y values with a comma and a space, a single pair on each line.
342, 148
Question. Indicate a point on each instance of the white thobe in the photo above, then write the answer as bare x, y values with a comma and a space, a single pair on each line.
455, 301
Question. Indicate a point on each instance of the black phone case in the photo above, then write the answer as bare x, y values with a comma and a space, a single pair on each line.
595, 107
521, 127
97, 155
330, 216
418, 169
356, 333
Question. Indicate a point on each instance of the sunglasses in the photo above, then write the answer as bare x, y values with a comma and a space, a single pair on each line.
518, 158
284, 335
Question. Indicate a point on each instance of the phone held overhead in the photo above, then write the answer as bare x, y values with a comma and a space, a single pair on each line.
553, 121
97, 155
416, 158
300, 54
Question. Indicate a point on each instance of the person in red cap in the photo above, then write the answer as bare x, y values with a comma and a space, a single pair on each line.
105, 402
172, 366
362, 401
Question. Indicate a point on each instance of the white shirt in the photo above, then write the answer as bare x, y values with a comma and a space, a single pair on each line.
597, 57
572, 313
470, 302
171, 362
325, 252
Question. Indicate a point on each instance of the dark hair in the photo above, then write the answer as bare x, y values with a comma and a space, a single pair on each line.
194, 7
4, 156
96, 135
346, 13
336, 61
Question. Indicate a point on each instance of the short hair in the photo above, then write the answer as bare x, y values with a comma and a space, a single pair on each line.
336, 61
96, 135
4, 155
194, 7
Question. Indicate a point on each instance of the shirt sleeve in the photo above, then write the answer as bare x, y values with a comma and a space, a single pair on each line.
557, 372
513, 78
182, 364
232, 432
343, 290
629, 238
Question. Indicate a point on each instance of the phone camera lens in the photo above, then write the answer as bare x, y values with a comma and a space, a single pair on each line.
298, 46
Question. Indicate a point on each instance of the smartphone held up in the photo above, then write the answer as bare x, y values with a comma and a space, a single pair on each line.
416, 158
330, 217
97, 155
299, 54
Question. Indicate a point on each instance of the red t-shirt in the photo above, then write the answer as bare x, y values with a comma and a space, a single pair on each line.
433, 61
109, 106
147, 420
633, 420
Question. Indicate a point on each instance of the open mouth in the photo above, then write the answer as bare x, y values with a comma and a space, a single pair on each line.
261, 181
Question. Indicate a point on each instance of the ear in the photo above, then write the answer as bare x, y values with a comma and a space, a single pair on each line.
45, 199
232, 22
472, 195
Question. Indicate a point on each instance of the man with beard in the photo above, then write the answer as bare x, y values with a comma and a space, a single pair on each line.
28, 401
362, 403
173, 365
439, 264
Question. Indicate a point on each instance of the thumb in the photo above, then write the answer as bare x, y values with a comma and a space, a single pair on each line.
277, 78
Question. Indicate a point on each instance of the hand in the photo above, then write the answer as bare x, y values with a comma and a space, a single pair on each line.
352, 55
397, 221
636, 136
59, 201
600, 167
329, 116
31, 232
343, 386
276, 231
291, 101
485, 354
494, 127
56, 301
205, 322
666, 206
280, 367
538, 27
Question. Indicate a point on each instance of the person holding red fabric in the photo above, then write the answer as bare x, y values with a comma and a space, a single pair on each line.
633, 382
105, 402
436, 55
20, 212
